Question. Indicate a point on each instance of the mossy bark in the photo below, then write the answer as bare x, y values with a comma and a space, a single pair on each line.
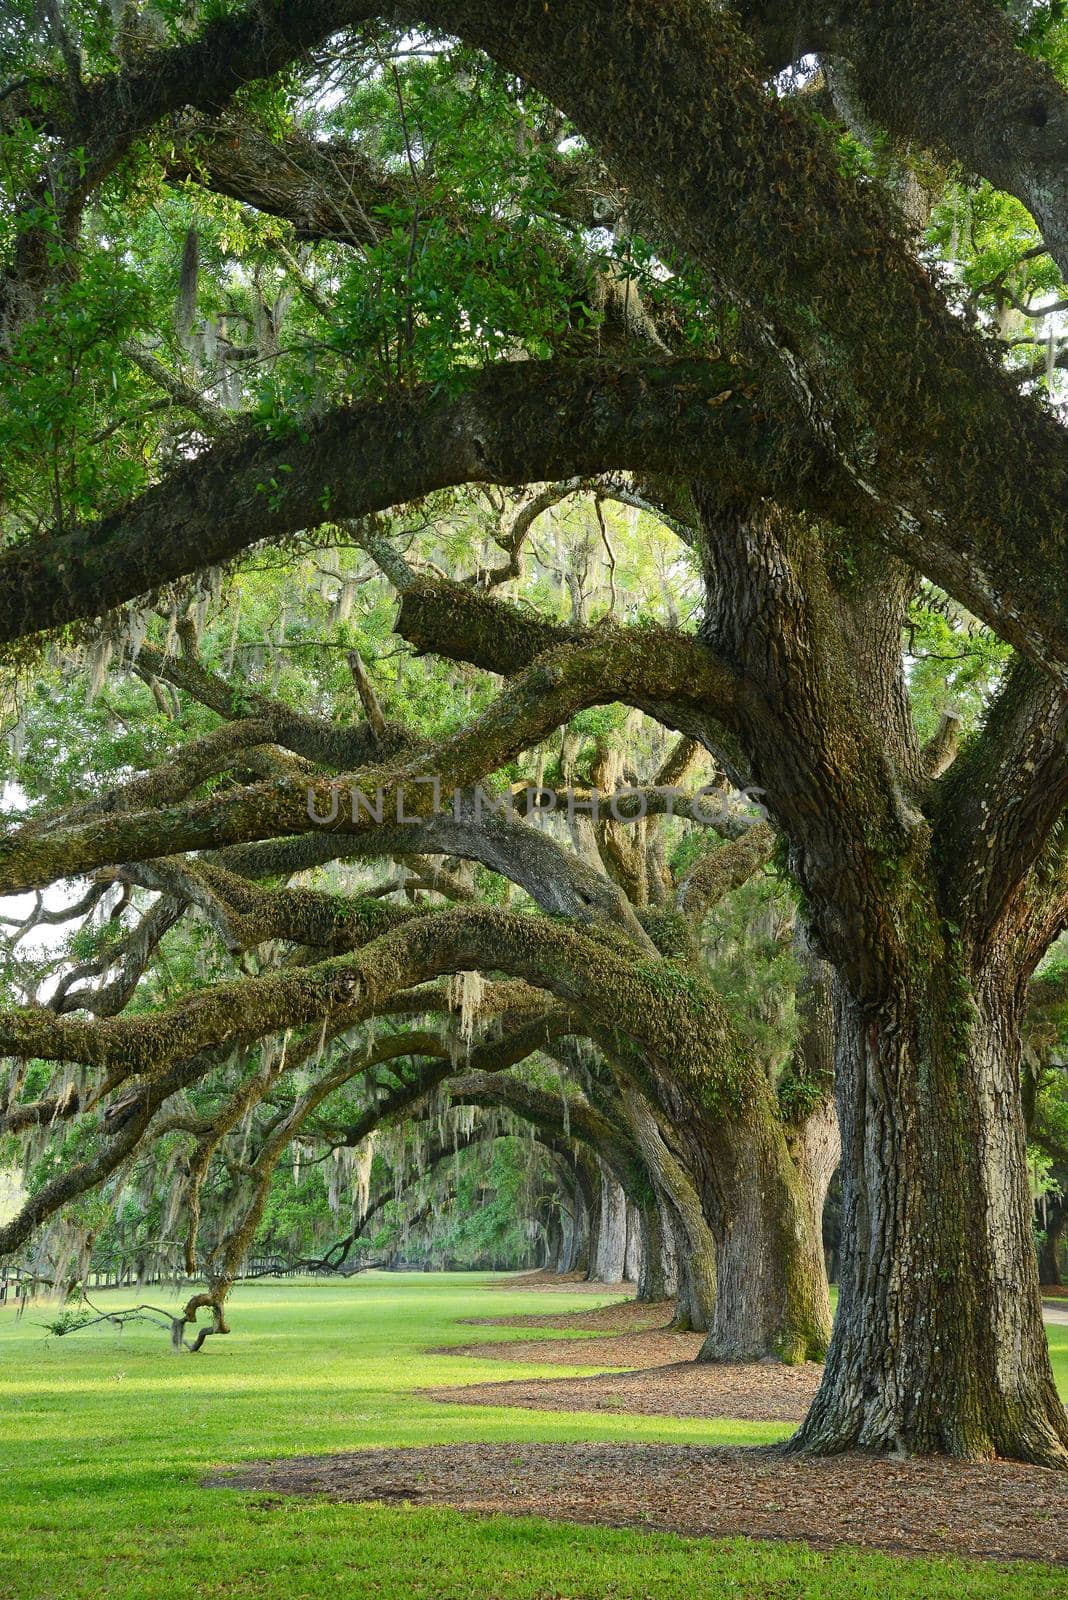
939, 1343
658, 1274
772, 1299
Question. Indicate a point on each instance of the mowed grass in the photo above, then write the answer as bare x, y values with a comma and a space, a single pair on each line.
104, 1437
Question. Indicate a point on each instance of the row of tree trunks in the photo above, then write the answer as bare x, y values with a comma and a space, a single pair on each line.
622, 1238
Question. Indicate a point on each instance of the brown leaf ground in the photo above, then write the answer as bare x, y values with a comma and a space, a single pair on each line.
651, 1349
663, 1380
756, 1393
996, 1510
567, 1282
623, 1316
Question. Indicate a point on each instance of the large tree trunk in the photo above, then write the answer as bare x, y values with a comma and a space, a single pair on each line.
608, 1263
658, 1279
552, 1244
939, 1343
632, 1254
772, 1298
680, 1205
570, 1217
752, 1271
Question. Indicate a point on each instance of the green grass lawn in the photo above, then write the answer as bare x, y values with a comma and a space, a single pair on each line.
104, 1436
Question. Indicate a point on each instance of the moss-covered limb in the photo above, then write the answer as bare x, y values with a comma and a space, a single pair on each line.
212, 418
677, 1020
33, 856
620, 849
515, 422
451, 620
329, 189
187, 673
631, 665
949, 77
671, 1016
132, 955
487, 1057
681, 764
177, 776
245, 915
244, 744
873, 352
312, 739
1000, 802
720, 871
510, 1002
148, 1043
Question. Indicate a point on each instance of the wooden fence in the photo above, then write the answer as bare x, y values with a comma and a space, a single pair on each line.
19, 1284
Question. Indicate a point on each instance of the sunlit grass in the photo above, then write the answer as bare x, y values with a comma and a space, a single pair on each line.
104, 1437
